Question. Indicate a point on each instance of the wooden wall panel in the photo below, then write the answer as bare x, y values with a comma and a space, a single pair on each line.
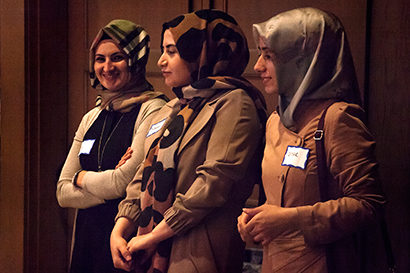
12, 146
389, 115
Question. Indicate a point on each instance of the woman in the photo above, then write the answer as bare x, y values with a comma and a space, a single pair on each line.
202, 155
306, 60
90, 181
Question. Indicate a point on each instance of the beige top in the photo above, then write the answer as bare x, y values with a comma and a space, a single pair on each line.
215, 175
109, 184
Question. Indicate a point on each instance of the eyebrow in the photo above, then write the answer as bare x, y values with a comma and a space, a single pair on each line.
265, 48
115, 53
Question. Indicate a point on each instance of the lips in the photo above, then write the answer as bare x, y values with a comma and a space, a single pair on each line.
109, 76
165, 73
266, 79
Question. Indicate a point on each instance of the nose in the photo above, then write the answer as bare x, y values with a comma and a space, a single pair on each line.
108, 66
162, 61
259, 65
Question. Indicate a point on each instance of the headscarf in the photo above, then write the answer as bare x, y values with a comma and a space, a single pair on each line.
313, 59
216, 50
213, 45
133, 40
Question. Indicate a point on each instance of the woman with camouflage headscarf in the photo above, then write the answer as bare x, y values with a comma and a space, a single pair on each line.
202, 154
90, 180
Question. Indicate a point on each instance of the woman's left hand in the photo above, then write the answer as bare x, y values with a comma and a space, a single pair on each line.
269, 221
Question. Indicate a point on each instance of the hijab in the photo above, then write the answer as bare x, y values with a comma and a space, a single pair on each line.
133, 40
216, 51
313, 59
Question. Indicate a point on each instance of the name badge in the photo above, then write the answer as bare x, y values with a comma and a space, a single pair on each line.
86, 146
156, 127
296, 157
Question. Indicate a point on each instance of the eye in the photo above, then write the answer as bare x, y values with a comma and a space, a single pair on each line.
267, 56
171, 50
117, 57
99, 59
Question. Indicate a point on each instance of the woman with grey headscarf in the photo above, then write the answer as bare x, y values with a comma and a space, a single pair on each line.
306, 60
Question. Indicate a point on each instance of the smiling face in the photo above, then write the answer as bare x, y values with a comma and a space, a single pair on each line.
173, 67
110, 66
265, 66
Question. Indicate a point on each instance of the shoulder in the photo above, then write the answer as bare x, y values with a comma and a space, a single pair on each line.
341, 112
91, 116
153, 104
233, 99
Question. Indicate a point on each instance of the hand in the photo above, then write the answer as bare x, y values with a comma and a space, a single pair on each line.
80, 177
124, 158
243, 219
141, 242
120, 255
269, 221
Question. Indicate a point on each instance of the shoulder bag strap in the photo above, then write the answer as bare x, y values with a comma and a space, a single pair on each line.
322, 172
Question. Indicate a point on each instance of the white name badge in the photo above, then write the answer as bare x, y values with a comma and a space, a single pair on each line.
86, 146
296, 157
155, 127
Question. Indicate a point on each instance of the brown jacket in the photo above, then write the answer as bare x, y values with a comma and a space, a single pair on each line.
349, 150
215, 175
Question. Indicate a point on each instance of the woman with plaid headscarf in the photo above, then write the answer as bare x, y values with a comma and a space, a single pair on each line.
91, 181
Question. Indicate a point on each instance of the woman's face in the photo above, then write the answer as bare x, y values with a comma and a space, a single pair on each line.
110, 66
173, 67
265, 66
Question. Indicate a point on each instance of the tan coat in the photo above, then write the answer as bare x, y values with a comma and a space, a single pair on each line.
350, 158
216, 172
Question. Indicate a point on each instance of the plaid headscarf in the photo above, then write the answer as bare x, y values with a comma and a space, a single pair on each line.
313, 58
133, 40
213, 45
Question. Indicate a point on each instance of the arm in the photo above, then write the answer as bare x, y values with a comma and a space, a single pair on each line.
69, 195
236, 134
111, 184
350, 154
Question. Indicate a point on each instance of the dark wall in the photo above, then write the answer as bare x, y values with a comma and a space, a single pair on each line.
389, 115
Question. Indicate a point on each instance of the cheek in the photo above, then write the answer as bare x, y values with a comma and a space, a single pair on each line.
97, 68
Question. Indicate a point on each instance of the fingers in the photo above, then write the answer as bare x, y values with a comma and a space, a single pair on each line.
252, 211
120, 261
124, 158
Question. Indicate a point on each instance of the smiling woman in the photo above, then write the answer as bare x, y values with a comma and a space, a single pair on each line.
110, 66
95, 174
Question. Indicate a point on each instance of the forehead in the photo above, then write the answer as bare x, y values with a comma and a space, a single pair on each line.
168, 38
262, 44
106, 46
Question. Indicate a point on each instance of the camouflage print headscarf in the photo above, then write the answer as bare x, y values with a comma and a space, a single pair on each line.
216, 50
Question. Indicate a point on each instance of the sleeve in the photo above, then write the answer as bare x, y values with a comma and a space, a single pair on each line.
111, 184
69, 195
235, 136
130, 207
350, 151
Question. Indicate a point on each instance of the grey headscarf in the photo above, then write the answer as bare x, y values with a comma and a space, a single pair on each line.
313, 58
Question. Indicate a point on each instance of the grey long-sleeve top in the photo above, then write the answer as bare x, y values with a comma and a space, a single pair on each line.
109, 184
